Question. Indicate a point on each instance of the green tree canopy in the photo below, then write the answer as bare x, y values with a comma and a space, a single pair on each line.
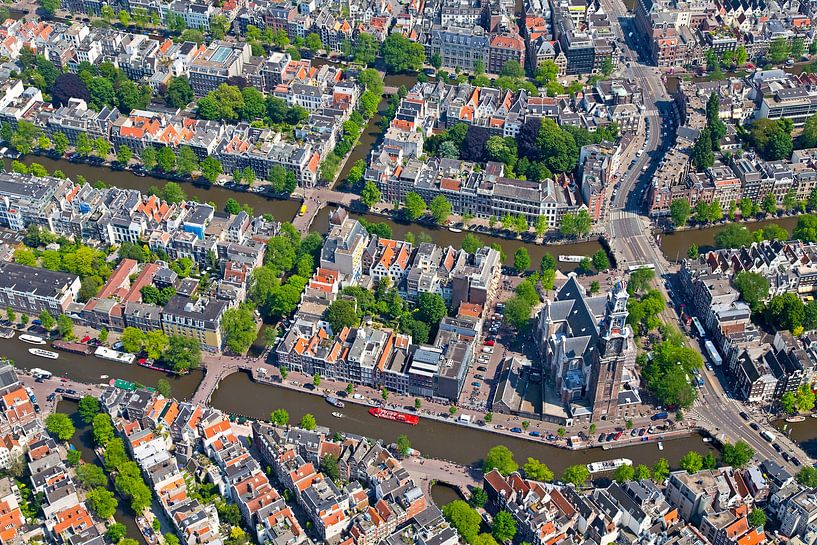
500, 458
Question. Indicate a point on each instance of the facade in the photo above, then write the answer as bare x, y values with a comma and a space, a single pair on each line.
32, 290
195, 319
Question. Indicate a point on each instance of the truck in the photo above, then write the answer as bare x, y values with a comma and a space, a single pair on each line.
659, 416
767, 435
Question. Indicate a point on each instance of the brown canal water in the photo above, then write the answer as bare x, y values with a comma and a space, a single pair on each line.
675, 245
802, 433
368, 140
238, 394
89, 369
444, 237
443, 494
281, 209
84, 442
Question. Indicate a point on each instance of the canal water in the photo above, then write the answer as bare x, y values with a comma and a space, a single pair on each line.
444, 237
675, 245
89, 369
281, 209
802, 433
464, 445
84, 442
443, 494
370, 137
285, 210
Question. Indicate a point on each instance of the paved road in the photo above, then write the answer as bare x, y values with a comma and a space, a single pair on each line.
634, 244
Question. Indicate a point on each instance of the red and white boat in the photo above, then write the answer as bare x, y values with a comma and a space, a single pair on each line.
395, 416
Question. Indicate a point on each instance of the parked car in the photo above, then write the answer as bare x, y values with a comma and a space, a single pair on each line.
754, 426
744, 416
516, 430
476, 384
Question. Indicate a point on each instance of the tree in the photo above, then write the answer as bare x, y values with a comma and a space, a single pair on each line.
340, 314
679, 211
179, 92
366, 48
463, 518
88, 408
316, 379
413, 206
369, 195
60, 142
65, 326
182, 353
132, 339
102, 502
576, 475
239, 328
90, 476
60, 426
702, 156
504, 527
187, 161
431, 307
478, 497
757, 518
737, 455
500, 458
806, 228
402, 54
156, 342
753, 288
403, 445
148, 157
624, 473
733, 236
641, 472
279, 417
786, 311
124, 154
46, 320
163, 387
517, 312
49, 7
219, 25
521, 259
171, 539
470, 243
440, 209
211, 169
103, 431
788, 403
660, 471
116, 532
693, 251
807, 476
691, 462
308, 422
575, 225
536, 470
600, 260
779, 51
166, 159
804, 398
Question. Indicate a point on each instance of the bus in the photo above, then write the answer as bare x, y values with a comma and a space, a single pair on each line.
698, 327
713, 353
632, 268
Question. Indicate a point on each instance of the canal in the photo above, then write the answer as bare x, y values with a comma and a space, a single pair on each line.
675, 245
444, 237
89, 370
802, 433
464, 445
84, 442
281, 209
285, 210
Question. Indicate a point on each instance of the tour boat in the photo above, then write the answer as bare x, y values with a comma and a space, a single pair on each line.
6, 333
814, 415
113, 355
455, 230
571, 258
103, 376
44, 353
337, 415
335, 402
32, 339
40, 373
795, 419
394, 416
608, 465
